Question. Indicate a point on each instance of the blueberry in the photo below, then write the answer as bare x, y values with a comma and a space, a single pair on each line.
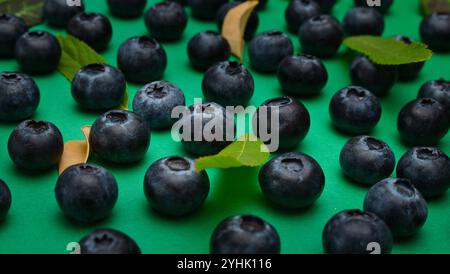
383, 8
326, 5
353, 232
11, 28
93, 28
367, 160
428, 169
321, 36
355, 110
86, 192
292, 180
399, 204
299, 11
209, 118
303, 75
98, 87
127, 8
38, 52
205, 9
166, 21
435, 31
207, 48
379, 79
120, 136
439, 90
108, 241
423, 121
293, 122
409, 71
252, 23
5, 200
245, 234
173, 187
58, 13
268, 49
19, 96
35, 145
228, 84
363, 21
155, 102
142, 59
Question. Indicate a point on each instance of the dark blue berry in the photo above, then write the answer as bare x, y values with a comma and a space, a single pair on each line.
245, 234
383, 8
155, 102
321, 36
303, 75
326, 5
58, 13
92, 28
399, 204
439, 90
35, 145
428, 169
367, 160
268, 49
11, 28
142, 59
207, 48
363, 21
38, 52
354, 232
379, 79
435, 31
409, 71
120, 136
292, 180
19, 96
98, 87
126, 8
252, 23
166, 21
228, 84
173, 186
423, 121
108, 241
299, 11
205, 9
355, 110
86, 192
5, 200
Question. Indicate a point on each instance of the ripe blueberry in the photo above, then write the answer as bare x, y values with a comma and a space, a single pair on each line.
428, 169
98, 87
93, 28
155, 102
11, 28
399, 204
435, 31
355, 110
268, 49
245, 234
126, 8
303, 75
5, 200
299, 11
108, 241
409, 71
383, 8
120, 136
35, 145
58, 13
367, 160
86, 192
173, 187
207, 48
252, 23
363, 21
439, 90
228, 84
292, 180
19, 96
166, 21
205, 9
142, 59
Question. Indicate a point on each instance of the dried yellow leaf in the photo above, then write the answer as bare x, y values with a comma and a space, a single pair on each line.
75, 152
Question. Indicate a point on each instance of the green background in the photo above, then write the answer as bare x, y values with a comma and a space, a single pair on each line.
36, 225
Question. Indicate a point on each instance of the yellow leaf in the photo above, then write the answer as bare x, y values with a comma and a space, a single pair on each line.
234, 24
75, 152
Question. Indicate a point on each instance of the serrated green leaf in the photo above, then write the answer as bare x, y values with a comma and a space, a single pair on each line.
246, 151
77, 54
388, 51
31, 11
430, 6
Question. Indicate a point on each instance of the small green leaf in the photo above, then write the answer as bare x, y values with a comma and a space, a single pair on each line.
77, 54
246, 151
430, 6
388, 51
29, 10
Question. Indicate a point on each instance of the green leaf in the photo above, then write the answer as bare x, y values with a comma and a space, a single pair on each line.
430, 6
246, 151
388, 51
77, 54
31, 11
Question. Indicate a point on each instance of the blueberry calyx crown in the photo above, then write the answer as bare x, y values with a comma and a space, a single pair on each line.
278, 102
426, 102
427, 153
274, 33
373, 144
5, 17
147, 42
11, 77
37, 126
104, 239
116, 116
357, 213
87, 168
156, 91
251, 223
87, 16
233, 68
356, 92
178, 164
292, 164
95, 68
36, 34
404, 187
